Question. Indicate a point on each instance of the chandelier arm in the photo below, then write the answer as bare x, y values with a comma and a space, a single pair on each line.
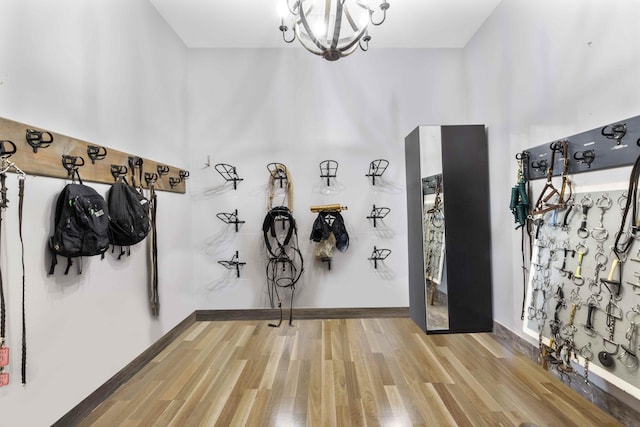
338, 24
355, 41
305, 23
284, 29
383, 7
296, 7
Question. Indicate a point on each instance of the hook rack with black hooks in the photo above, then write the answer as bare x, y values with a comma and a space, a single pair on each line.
378, 213
229, 173
376, 169
230, 218
233, 263
590, 150
379, 255
328, 170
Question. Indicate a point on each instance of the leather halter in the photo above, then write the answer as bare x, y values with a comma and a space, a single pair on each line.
549, 190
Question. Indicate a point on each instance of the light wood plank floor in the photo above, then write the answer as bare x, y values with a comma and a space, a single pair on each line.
355, 372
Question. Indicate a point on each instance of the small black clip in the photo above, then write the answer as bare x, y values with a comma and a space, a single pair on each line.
162, 170
174, 181
587, 157
183, 175
4, 152
96, 153
72, 163
36, 139
557, 146
118, 171
150, 178
616, 132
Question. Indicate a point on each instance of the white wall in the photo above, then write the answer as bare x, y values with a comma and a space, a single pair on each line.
112, 73
248, 108
537, 72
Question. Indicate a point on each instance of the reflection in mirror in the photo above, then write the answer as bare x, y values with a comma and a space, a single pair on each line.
434, 253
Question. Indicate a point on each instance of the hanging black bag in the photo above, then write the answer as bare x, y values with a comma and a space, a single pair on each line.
81, 226
129, 214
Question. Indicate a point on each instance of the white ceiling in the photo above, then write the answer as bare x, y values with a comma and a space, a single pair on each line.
254, 23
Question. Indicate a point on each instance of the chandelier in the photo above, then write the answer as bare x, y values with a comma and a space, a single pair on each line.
330, 28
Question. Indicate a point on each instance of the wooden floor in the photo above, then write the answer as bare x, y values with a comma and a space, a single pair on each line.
355, 372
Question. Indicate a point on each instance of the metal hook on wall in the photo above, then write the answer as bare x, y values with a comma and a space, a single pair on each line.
162, 170
4, 152
118, 171
328, 170
378, 213
174, 181
379, 255
586, 157
377, 168
615, 132
150, 178
540, 165
229, 173
38, 139
233, 263
183, 175
96, 153
72, 163
278, 171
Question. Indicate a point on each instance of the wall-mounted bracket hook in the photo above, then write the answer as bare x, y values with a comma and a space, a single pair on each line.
586, 157
135, 162
230, 218
208, 162
7, 148
183, 175
38, 139
162, 170
96, 153
557, 146
615, 132
379, 255
72, 163
174, 181
150, 178
328, 170
377, 168
233, 263
118, 171
278, 171
540, 165
229, 173
378, 213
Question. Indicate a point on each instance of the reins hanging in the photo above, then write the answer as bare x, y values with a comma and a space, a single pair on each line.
5, 166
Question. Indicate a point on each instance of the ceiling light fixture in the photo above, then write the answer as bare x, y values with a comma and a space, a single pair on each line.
318, 25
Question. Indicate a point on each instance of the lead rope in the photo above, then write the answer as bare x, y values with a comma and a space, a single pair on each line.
21, 180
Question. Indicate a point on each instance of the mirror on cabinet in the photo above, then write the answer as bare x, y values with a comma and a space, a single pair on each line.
449, 243
434, 253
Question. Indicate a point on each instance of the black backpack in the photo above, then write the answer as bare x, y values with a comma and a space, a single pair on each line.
129, 214
81, 226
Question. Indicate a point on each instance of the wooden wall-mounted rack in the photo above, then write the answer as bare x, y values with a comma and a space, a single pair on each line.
41, 153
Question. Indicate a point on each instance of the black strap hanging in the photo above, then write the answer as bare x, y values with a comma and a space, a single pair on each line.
153, 251
632, 201
24, 320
